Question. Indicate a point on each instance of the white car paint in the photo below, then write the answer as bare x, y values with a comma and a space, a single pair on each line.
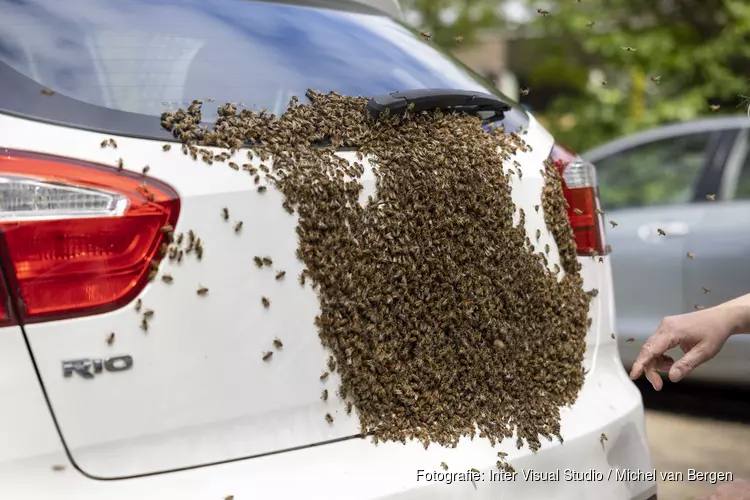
199, 393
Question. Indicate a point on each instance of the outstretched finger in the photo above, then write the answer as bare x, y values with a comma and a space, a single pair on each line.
652, 375
659, 364
659, 343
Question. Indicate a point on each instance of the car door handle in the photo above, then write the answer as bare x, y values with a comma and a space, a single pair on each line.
671, 229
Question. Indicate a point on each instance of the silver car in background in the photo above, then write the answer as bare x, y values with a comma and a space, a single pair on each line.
691, 181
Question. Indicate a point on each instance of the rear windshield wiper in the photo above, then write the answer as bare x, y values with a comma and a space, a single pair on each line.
487, 106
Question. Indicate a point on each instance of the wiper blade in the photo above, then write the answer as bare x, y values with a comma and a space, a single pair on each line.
446, 99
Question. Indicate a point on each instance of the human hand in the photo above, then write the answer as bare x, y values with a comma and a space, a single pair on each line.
700, 335
736, 490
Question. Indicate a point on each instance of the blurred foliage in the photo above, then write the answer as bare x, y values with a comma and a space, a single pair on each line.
446, 20
697, 50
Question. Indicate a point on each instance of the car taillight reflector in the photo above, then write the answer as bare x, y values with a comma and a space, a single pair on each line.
582, 194
78, 238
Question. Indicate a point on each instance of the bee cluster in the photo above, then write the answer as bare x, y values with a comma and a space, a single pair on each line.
440, 317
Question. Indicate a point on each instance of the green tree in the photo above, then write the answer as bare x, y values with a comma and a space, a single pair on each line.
688, 55
447, 20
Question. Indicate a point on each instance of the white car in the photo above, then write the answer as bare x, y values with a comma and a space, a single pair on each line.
94, 406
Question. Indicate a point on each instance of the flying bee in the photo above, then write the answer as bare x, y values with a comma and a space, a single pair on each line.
202, 290
138, 304
715, 107
424, 35
698, 308
711, 197
111, 338
47, 92
444, 465
258, 261
144, 325
267, 355
104, 143
166, 147
58, 468
167, 278
262, 189
599, 212
474, 470
656, 79
705, 289
324, 375
590, 24
266, 303
577, 211
459, 39
542, 12
324, 395
661, 232
329, 418
630, 340
167, 228
536, 208
614, 224
628, 49
525, 91
280, 275
148, 313
612, 335
690, 256
237, 226
277, 343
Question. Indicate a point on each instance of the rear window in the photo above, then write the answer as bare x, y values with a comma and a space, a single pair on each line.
109, 61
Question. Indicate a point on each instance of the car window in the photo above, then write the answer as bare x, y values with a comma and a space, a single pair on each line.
148, 57
662, 172
742, 189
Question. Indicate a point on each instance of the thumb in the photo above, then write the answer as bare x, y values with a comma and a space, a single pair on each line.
688, 363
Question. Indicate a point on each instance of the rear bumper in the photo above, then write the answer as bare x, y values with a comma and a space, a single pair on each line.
356, 469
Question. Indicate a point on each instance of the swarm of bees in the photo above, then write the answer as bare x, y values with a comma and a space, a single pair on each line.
440, 182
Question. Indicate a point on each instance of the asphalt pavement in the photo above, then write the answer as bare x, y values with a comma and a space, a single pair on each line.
706, 429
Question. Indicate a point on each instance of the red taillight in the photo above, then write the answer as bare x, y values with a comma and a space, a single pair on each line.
581, 193
6, 315
78, 238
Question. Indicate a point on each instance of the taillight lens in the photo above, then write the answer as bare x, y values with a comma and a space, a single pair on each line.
78, 238
582, 194
6, 313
